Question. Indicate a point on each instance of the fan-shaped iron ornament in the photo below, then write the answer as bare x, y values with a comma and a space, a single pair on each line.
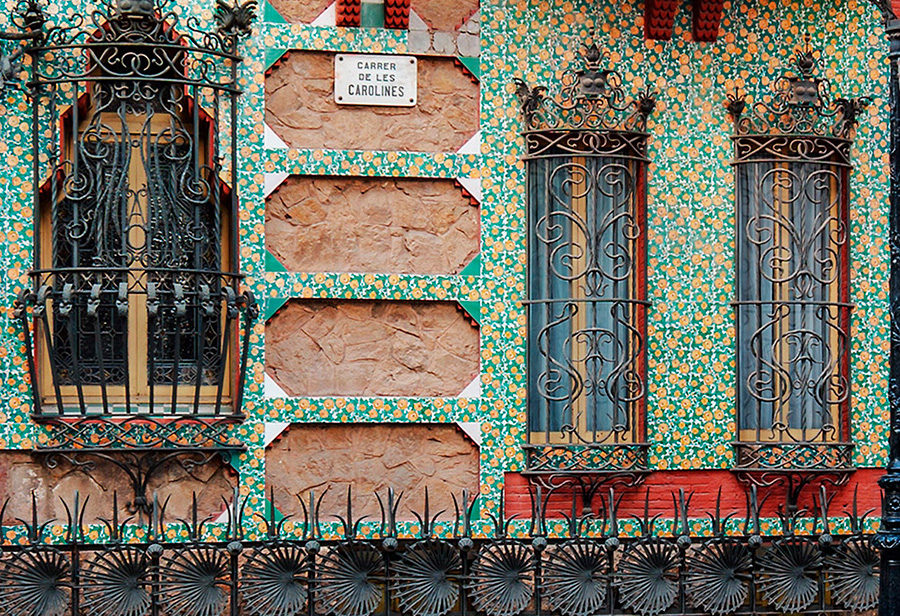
502, 578
34, 583
853, 575
116, 583
428, 578
271, 581
194, 582
717, 576
647, 577
352, 579
788, 574
574, 580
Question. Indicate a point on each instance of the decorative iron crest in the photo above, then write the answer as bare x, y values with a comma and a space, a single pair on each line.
801, 104
592, 98
112, 37
592, 106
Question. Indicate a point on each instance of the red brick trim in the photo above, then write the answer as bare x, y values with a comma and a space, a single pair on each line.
346, 13
704, 485
659, 18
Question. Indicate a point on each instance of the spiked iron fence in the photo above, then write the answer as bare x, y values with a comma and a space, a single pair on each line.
671, 566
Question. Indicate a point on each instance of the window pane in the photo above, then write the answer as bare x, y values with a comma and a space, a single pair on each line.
792, 310
585, 341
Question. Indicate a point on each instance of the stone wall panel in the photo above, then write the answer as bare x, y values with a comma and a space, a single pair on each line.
371, 348
300, 108
22, 474
327, 224
304, 11
371, 458
444, 14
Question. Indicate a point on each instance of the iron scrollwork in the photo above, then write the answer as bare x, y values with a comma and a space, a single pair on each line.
117, 582
575, 577
792, 155
136, 306
272, 576
586, 155
502, 581
592, 567
718, 576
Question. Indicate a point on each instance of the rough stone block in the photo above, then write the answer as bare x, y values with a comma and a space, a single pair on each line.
445, 14
296, 11
300, 108
404, 226
21, 474
371, 348
371, 459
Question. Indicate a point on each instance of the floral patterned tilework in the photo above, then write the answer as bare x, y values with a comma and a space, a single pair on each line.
690, 379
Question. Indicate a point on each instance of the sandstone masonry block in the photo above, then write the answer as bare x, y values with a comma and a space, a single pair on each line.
21, 474
371, 348
300, 10
405, 226
371, 459
444, 14
300, 108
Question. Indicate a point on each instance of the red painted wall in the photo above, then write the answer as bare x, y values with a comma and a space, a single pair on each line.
704, 484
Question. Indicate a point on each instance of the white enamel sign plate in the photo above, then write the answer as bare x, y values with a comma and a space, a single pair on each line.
368, 79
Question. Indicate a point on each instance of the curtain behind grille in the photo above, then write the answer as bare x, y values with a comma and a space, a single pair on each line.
584, 344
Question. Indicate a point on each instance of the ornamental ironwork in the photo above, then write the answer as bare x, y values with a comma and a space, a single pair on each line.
792, 160
272, 577
428, 577
586, 167
575, 577
246, 568
591, 113
136, 306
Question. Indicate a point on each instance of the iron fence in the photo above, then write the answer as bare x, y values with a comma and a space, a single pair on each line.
669, 566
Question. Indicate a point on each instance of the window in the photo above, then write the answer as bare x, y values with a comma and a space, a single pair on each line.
792, 162
136, 303
137, 212
586, 187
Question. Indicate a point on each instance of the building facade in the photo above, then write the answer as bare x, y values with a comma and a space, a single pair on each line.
433, 307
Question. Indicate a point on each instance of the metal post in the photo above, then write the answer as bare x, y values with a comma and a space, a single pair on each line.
888, 537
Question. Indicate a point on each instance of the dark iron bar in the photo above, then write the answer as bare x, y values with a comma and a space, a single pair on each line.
255, 567
888, 538
135, 197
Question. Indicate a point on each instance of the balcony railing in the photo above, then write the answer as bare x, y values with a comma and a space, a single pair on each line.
132, 310
126, 342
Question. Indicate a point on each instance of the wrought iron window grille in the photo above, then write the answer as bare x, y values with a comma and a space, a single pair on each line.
586, 165
136, 307
283, 567
792, 162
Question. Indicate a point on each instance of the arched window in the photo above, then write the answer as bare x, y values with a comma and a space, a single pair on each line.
792, 164
586, 169
137, 307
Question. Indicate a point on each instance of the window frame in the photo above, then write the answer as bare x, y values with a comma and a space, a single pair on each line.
137, 334
787, 416
780, 340
188, 80
591, 125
